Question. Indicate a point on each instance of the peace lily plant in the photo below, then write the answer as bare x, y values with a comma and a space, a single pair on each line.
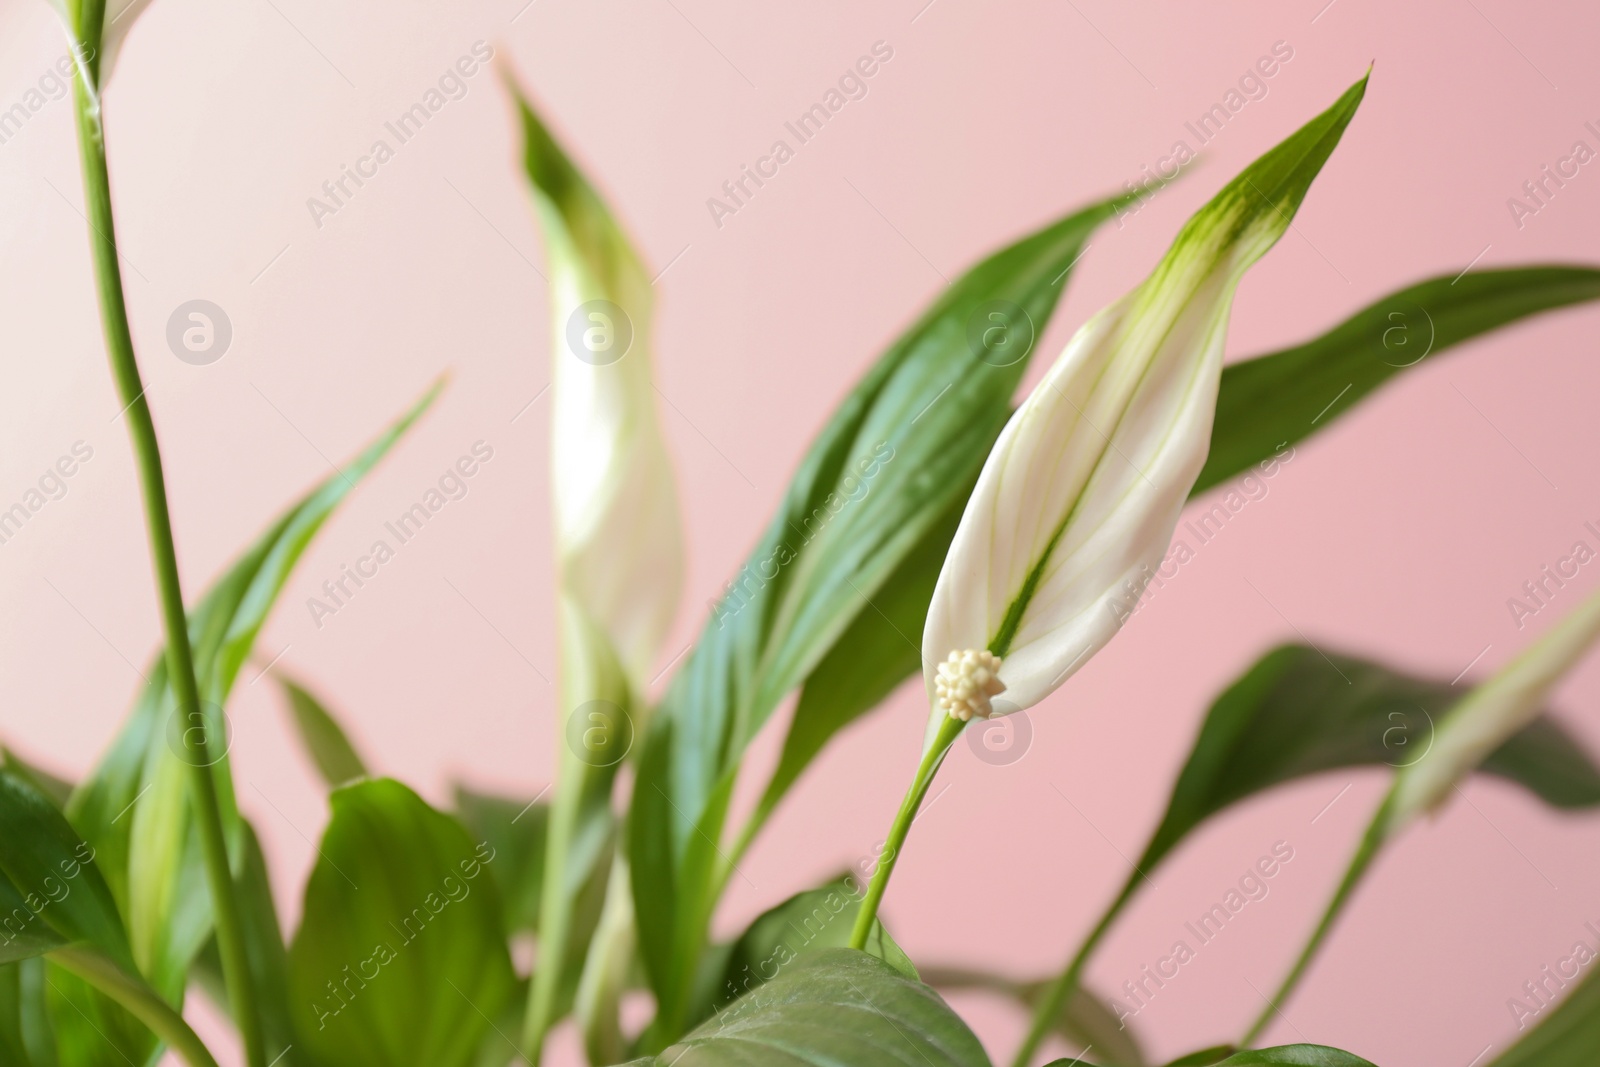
1011, 540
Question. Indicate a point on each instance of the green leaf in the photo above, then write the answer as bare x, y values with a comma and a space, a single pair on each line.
1084, 1019
400, 959
58, 790
898, 454
1287, 396
26, 1038
833, 1008
322, 737
809, 921
46, 864
1298, 712
1567, 1037
516, 830
134, 808
89, 1028
1282, 1056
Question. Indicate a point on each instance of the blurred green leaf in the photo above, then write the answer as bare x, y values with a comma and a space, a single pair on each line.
836, 1007
49, 867
322, 737
401, 958
1569, 1036
1084, 1020
58, 790
1282, 1056
897, 455
134, 808
516, 830
1298, 712
1286, 396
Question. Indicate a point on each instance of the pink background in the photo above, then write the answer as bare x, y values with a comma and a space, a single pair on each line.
1399, 534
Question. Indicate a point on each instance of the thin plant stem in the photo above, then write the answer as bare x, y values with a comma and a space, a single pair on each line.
1372, 842
949, 730
158, 522
140, 1000
1049, 1007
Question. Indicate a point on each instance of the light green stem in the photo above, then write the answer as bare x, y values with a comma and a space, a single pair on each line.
141, 429
895, 844
1049, 1007
138, 998
1371, 843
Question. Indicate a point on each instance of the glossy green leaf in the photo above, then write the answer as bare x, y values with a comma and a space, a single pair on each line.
90, 1029
134, 808
1569, 1036
833, 1008
1084, 1020
58, 790
898, 453
809, 921
1204, 1057
516, 830
1298, 712
1282, 1056
1286, 396
323, 739
401, 958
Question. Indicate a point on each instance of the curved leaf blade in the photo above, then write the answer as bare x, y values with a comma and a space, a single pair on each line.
323, 739
833, 1008
1567, 1037
1286, 396
401, 957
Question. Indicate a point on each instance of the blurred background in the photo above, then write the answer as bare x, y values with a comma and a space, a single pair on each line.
1400, 534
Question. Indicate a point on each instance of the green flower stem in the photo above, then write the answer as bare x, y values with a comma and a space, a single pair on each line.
180, 662
1372, 842
948, 732
1049, 1007
138, 998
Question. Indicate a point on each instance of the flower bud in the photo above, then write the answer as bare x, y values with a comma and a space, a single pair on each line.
1078, 499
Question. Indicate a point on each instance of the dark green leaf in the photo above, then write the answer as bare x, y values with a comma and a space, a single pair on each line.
1206, 1056
898, 454
89, 1028
139, 793
58, 790
1288, 1056
1567, 1037
515, 829
1298, 712
833, 1008
400, 959
1287, 396
809, 921
322, 737
50, 867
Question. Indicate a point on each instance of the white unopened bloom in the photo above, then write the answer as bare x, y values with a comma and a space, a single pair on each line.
1078, 499
618, 536
1491, 714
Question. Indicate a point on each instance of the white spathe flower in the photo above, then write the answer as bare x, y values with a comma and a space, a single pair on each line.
1491, 714
1077, 501
120, 15
618, 535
